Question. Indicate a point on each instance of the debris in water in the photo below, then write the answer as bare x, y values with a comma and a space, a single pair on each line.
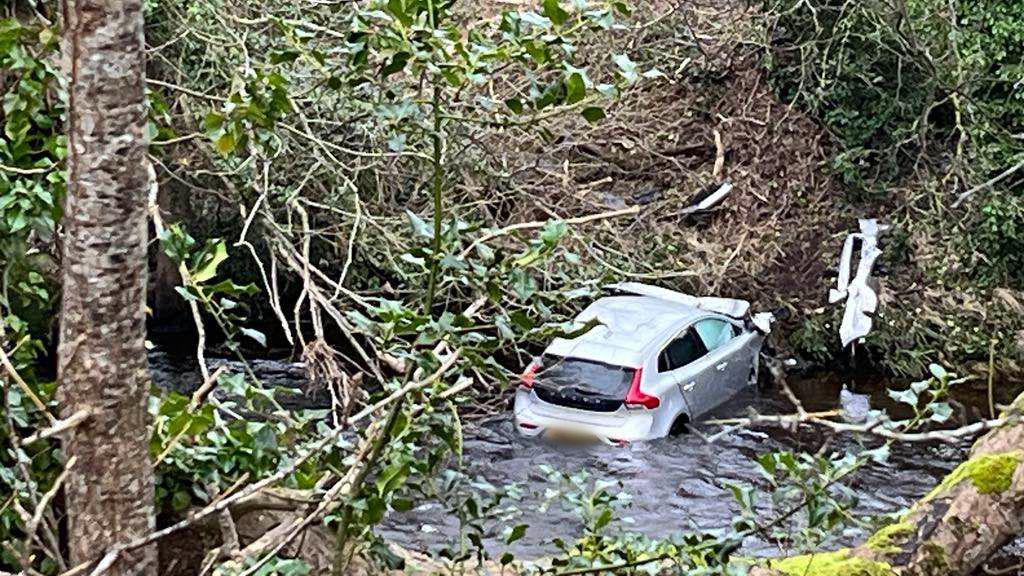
855, 406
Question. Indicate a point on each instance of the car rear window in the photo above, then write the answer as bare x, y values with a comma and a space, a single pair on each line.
586, 376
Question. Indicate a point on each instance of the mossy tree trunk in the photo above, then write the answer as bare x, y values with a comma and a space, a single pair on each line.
972, 513
109, 493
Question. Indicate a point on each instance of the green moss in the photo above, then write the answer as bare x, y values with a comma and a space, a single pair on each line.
990, 473
838, 563
887, 540
933, 560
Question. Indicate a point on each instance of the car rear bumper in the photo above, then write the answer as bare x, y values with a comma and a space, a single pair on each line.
534, 417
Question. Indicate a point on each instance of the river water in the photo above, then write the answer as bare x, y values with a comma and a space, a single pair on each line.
676, 484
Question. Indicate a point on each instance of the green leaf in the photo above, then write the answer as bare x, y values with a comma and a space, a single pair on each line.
593, 114
626, 67
575, 88
395, 65
907, 396
515, 105
553, 231
941, 411
397, 8
535, 19
554, 12
401, 504
255, 335
517, 532
938, 371
391, 478
538, 51
419, 227
229, 287
180, 500
208, 269
225, 143
284, 56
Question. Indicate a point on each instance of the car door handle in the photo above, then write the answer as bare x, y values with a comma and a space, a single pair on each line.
688, 387
721, 366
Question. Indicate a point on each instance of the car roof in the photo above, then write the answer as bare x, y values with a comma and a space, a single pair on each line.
629, 328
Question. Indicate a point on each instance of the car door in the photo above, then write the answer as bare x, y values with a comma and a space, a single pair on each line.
681, 361
728, 353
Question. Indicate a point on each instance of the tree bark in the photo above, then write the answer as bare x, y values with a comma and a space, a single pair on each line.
102, 352
971, 514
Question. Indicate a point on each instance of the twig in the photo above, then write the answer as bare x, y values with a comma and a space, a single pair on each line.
412, 386
184, 90
719, 155
37, 516
59, 426
209, 384
873, 427
186, 278
991, 375
538, 224
995, 180
25, 171
13, 372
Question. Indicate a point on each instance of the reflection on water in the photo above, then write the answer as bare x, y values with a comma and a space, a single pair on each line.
677, 484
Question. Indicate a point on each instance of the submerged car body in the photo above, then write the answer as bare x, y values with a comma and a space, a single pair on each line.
653, 361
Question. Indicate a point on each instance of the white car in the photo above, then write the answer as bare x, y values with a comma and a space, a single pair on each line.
653, 361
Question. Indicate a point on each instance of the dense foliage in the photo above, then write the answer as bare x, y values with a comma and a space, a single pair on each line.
925, 101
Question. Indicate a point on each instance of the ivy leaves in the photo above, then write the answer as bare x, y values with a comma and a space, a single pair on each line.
254, 107
221, 299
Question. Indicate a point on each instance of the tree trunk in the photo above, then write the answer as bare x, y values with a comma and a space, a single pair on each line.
972, 513
102, 333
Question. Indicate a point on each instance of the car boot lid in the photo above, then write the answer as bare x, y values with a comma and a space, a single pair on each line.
730, 307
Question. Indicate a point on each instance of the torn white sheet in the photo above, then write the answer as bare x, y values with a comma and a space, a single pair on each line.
861, 299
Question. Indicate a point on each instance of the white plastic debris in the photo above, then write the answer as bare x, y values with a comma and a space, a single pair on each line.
855, 406
710, 201
861, 299
763, 321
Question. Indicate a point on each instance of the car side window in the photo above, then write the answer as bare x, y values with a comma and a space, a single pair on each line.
681, 351
714, 332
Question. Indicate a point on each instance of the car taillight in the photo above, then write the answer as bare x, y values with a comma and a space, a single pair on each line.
529, 375
635, 398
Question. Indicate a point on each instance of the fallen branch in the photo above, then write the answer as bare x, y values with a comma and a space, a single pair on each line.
873, 427
974, 511
250, 493
540, 224
410, 387
995, 180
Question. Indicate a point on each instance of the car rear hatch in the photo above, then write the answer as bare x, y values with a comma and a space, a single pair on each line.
582, 384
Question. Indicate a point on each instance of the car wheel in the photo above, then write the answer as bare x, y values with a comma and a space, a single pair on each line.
679, 425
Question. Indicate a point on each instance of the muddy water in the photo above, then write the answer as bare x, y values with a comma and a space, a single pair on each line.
676, 484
